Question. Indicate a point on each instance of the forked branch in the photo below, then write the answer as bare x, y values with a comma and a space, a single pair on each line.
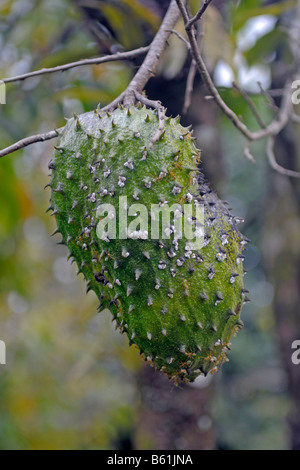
137, 84
270, 131
134, 91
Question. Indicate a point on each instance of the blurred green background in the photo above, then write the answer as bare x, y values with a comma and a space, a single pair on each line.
71, 381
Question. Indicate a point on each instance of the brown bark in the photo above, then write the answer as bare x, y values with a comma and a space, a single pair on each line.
172, 417
282, 261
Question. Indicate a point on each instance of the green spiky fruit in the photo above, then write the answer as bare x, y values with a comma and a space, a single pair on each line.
179, 306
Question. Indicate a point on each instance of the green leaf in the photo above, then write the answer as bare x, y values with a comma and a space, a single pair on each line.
266, 45
241, 14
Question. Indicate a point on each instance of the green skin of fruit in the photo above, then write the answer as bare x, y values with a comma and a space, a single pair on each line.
193, 314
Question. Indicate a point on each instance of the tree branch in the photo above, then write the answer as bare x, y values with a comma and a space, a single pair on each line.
198, 15
251, 105
161, 115
186, 42
148, 67
145, 72
30, 140
273, 162
191, 76
189, 87
269, 97
247, 152
206, 76
273, 129
95, 61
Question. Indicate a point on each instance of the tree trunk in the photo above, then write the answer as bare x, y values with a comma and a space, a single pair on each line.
281, 250
171, 417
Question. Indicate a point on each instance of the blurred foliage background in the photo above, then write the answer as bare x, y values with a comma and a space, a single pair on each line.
71, 381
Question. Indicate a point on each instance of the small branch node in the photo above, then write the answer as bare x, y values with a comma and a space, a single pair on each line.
161, 111
198, 15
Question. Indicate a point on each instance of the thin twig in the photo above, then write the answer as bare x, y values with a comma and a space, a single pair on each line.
49, 135
206, 76
191, 77
198, 15
161, 126
251, 105
138, 83
189, 87
272, 160
147, 70
186, 42
161, 115
98, 60
30, 140
269, 97
148, 67
248, 153
272, 129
